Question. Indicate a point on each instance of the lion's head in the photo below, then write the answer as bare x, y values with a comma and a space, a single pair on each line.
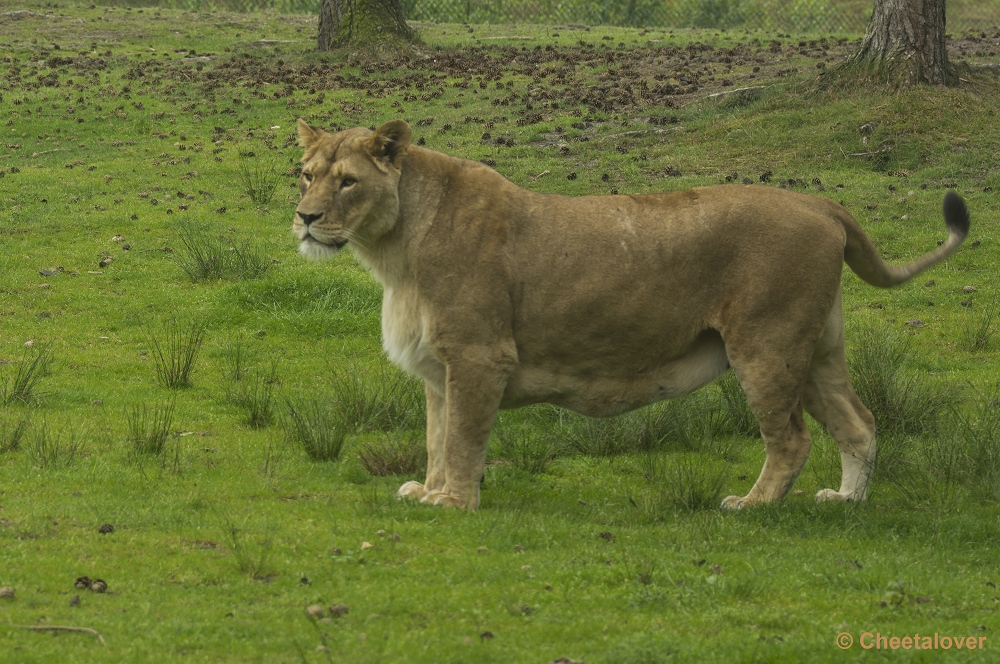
349, 186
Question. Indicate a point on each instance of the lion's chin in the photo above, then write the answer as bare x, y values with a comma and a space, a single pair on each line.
314, 250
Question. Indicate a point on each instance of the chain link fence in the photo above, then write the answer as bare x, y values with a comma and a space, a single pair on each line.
798, 16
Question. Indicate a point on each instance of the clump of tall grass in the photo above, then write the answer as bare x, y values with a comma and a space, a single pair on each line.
54, 449
314, 425
20, 385
980, 326
249, 388
252, 557
682, 482
205, 254
902, 402
254, 396
148, 428
175, 355
690, 423
975, 439
390, 454
12, 433
259, 174
377, 399
526, 448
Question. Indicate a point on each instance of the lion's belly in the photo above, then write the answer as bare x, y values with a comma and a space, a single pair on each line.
613, 391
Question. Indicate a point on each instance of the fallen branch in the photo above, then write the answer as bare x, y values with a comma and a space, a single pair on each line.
62, 628
637, 132
752, 88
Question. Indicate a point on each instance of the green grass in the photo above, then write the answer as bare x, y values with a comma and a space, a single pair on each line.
603, 541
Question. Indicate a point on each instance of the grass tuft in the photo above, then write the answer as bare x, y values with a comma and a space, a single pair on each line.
50, 449
394, 455
979, 327
259, 176
685, 483
205, 255
11, 434
148, 428
252, 558
20, 387
175, 356
382, 399
315, 426
902, 403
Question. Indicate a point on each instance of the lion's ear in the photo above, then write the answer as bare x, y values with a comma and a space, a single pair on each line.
390, 140
308, 136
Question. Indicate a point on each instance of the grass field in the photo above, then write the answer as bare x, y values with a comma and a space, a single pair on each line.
204, 422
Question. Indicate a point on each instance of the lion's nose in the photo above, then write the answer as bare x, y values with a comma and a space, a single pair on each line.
308, 218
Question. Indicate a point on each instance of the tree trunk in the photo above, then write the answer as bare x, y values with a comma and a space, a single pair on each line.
361, 23
905, 40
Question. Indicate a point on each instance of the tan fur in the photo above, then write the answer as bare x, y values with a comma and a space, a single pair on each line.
498, 297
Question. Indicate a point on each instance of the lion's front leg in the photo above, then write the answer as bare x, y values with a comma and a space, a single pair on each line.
436, 418
472, 398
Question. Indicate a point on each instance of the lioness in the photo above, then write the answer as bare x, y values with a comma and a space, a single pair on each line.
498, 297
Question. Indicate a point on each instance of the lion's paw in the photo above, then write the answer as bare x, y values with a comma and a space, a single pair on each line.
831, 496
414, 490
443, 499
732, 503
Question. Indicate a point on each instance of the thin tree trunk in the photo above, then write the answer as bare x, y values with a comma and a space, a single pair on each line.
905, 40
361, 23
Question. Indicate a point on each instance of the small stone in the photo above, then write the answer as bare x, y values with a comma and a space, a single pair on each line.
315, 611
321, 649
365, 546
106, 529
915, 322
82, 583
380, 533
106, 261
6, 592
338, 610
607, 537
486, 636
482, 549
335, 551
969, 289
74, 600
99, 586
47, 273
797, 492
929, 283
30, 343
518, 548
394, 537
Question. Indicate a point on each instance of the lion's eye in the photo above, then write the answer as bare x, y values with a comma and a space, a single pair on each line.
347, 182
308, 177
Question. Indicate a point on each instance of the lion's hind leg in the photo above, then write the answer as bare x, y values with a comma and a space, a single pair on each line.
773, 391
830, 398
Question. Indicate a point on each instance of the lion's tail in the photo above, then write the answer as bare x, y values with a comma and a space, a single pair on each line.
864, 259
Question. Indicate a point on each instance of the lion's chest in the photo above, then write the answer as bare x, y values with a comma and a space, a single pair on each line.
404, 335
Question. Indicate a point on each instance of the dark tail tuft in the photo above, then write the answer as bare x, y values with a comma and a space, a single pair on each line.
956, 215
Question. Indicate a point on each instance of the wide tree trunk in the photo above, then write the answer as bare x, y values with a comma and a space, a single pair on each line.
905, 42
361, 23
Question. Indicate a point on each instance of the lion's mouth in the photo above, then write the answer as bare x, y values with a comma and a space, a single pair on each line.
336, 244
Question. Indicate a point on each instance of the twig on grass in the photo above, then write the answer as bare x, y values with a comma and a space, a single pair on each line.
62, 628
